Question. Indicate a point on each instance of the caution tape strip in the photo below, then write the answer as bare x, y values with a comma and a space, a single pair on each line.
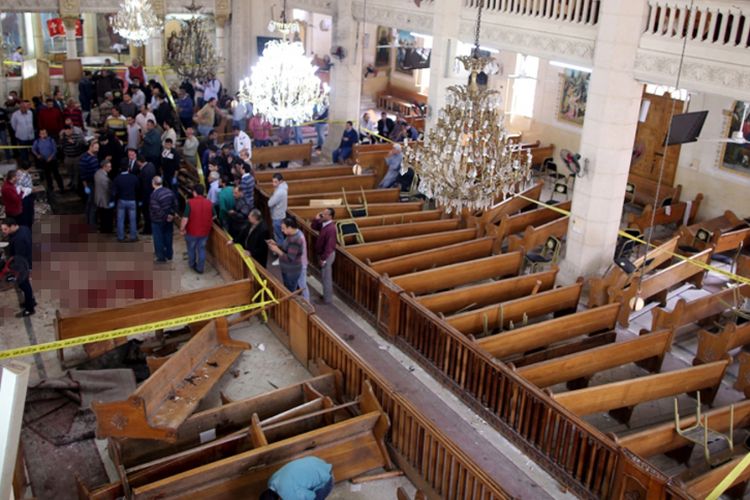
707, 267
726, 483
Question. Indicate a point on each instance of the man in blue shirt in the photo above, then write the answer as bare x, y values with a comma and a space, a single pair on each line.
125, 193
185, 108
87, 167
44, 150
308, 478
348, 140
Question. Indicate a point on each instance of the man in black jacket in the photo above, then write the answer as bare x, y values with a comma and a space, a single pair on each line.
146, 171
19, 250
385, 126
163, 207
170, 164
253, 237
125, 194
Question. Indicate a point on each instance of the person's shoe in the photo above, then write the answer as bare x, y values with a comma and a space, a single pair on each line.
275, 263
160, 260
25, 313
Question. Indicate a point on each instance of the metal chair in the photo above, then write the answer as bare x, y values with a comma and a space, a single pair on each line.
347, 228
356, 212
547, 254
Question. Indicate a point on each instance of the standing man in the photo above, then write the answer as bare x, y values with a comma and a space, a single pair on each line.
247, 185
133, 134
20, 250
135, 70
278, 205
242, 141
87, 167
325, 249
170, 164
196, 226
86, 94
349, 138
321, 122
190, 147
205, 117
73, 146
163, 207
22, 122
125, 192
151, 147
290, 253
184, 108
146, 171
102, 197
253, 237
44, 150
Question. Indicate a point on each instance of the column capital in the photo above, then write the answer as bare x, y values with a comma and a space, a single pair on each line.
222, 11
70, 9
70, 23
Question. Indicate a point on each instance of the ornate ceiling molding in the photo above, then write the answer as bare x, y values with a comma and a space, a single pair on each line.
697, 74
320, 6
30, 6
394, 18
536, 43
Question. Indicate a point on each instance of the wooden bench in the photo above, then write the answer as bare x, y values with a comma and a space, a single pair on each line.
715, 346
670, 214
394, 231
379, 250
534, 237
357, 197
452, 301
308, 213
372, 161
461, 273
380, 147
286, 152
703, 485
435, 257
540, 153
545, 333
326, 184
402, 218
166, 399
684, 312
509, 206
658, 284
723, 223
514, 224
619, 398
148, 311
396, 98
296, 174
642, 191
352, 446
617, 279
561, 301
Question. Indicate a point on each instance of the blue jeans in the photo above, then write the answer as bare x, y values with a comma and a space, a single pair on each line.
196, 246
302, 283
162, 232
278, 236
5, 141
204, 130
325, 490
298, 135
341, 154
123, 207
291, 280
241, 124
320, 129
24, 153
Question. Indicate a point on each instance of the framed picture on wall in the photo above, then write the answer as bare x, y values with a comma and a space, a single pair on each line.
384, 47
406, 42
573, 97
736, 155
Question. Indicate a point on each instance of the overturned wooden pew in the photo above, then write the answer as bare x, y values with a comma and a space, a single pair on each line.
509, 206
160, 405
689, 235
546, 333
620, 398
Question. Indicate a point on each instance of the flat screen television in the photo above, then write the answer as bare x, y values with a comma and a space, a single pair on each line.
686, 127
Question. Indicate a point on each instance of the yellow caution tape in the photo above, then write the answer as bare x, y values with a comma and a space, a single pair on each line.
15, 147
707, 267
731, 477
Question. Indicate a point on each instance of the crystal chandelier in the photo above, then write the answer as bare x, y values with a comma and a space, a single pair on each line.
191, 52
136, 21
283, 86
467, 160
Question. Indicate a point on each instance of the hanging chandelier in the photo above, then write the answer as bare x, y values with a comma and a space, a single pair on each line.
136, 21
283, 85
468, 160
191, 53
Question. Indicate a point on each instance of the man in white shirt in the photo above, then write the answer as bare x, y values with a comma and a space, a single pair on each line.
211, 88
239, 114
214, 187
139, 98
242, 141
142, 118
133, 134
22, 121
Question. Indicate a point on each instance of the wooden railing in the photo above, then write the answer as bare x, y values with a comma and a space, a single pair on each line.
709, 23
569, 11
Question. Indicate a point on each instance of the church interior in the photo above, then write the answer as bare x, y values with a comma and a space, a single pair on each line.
374, 249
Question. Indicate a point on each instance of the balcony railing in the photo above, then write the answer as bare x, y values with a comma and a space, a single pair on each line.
580, 12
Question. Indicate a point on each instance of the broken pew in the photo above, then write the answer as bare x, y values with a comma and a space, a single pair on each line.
399, 218
642, 191
684, 313
356, 197
508, 206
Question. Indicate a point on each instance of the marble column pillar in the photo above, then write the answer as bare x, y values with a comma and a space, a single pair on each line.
37, 35
346, 74
442, 60
247, 18
606, 142
220, 23
90, 44
71, 49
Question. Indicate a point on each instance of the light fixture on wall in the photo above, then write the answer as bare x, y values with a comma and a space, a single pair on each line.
283, 85
468, 160
136, 21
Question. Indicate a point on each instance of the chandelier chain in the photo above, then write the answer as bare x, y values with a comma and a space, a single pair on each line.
477, 27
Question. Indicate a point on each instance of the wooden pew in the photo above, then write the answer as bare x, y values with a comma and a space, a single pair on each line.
540, 153
392, 248
353, 197
166, 399
509, 206
513, 224
148, 311
428, 259
647, 350
400, 218
373, 161
296, 174
379, 147
452, 301
723, 223
534, 237
644, 191
626, 394
453, 275
714, 346
306, 212
658, 284
352, 447
544, 333
684, 312
617, 279
326, 184
703, 485
393, 231
671, 214
663, 438
730, 240
286, 152
499, 316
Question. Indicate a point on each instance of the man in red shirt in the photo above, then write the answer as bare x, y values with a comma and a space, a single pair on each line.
11, 199
325, 248
50, 118
196, 226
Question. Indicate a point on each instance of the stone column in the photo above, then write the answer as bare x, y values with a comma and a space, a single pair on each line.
90, 43
71, 50
37, 35
442, 61
606, 142
222, 10
346, 74
242, 44
155, 46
